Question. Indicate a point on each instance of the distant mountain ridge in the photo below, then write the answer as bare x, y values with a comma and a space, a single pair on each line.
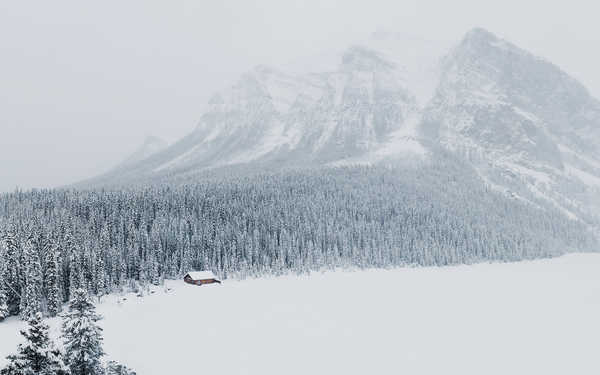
528, 128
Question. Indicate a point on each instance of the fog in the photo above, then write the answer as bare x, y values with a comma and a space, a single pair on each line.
83, 83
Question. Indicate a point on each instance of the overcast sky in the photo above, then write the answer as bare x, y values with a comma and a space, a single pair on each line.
83, 83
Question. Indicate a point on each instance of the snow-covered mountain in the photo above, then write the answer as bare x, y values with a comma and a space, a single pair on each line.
526, 126
309, 119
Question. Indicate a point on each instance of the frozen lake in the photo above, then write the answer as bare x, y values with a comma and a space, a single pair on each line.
534, 317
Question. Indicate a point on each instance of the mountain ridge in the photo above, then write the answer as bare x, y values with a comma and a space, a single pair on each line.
527, 127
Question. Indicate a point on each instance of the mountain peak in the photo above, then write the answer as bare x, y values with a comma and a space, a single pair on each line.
479, 35
481, 42
363, 58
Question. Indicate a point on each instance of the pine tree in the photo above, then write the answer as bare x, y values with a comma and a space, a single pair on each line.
156, 250
99, 275
12, 270
53, 281
83, 336
114, 368
68, 247
37, 355
4, 312
154, 272
186, 258
31, 299
122, 271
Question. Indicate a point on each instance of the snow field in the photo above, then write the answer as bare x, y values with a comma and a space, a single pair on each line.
535, 317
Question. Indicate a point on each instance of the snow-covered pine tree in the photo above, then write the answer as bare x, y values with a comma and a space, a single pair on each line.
77, 278
67, 247
53, 293
122, 271
31, 298
100, 276
12, 269
155, 250
83, 336
4, 312
143, 276
38, 354
115, 368
99, 279
186, 258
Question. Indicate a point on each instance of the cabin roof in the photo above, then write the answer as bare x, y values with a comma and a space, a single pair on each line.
201, 275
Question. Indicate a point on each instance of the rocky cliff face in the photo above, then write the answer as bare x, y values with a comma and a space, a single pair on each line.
521, 120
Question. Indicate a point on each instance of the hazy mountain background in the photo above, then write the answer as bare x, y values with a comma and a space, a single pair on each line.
528, 129
83, 85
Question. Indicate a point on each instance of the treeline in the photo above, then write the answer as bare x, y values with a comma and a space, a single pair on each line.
56, 241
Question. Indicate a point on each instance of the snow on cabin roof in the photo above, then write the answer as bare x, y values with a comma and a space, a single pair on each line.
201, 275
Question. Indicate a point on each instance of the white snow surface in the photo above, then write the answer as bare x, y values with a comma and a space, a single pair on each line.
533, 317
585, 177
201, 275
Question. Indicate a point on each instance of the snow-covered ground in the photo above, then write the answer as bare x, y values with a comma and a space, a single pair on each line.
537, 317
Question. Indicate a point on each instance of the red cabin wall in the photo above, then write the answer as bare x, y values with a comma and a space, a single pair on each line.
189, 280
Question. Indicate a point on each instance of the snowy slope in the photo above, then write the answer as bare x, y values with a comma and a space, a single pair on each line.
535, 317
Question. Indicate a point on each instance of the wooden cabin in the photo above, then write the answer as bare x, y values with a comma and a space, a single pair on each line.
200, 278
